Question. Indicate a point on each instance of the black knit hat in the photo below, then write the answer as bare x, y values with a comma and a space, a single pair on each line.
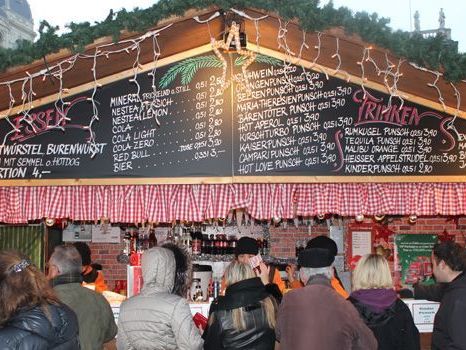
315, 258
323, 242
247, 245
84, 251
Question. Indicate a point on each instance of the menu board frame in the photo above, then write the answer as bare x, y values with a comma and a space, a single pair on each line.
236, 179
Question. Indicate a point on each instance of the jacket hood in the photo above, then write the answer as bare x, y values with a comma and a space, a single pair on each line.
377, 300
158, 270
371, 318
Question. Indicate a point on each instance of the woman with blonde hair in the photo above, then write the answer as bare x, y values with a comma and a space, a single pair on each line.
31, 317
383, 312
245, 317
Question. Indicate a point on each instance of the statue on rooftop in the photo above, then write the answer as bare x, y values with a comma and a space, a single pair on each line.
441, 19
417, 23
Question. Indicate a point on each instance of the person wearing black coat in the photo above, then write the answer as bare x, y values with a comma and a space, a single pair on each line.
34, 329
245, 317
448, 265
384, 313
31, 316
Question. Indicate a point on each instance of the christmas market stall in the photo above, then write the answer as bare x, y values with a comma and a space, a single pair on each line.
280, 122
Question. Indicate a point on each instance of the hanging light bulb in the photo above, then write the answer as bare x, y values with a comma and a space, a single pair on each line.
359, 218
412, 219
50, 222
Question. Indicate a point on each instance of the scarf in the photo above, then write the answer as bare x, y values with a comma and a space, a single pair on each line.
377, 300
66, 279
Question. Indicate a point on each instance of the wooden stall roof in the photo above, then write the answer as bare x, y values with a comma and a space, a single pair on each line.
185, 33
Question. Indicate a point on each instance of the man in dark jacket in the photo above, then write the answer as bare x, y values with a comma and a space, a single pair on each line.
95, 317
316, 316
448, 267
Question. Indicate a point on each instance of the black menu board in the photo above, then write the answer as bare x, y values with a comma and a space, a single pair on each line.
281, 121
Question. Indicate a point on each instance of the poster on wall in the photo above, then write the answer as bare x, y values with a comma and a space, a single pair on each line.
413, 259
106, 233
364, 238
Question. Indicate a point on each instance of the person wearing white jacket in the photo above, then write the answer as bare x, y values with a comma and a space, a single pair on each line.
156, 318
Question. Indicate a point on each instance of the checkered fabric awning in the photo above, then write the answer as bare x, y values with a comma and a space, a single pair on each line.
165, 203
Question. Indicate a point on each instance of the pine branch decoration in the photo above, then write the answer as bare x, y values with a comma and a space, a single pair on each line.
188, 68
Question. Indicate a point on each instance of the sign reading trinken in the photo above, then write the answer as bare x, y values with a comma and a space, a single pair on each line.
301, 123
282, 121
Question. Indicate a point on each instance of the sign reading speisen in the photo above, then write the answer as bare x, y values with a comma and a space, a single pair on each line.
286, 124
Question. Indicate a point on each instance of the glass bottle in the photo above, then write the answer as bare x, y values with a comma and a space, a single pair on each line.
196, 242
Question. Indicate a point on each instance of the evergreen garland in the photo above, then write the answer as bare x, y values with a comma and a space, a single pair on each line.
435, 53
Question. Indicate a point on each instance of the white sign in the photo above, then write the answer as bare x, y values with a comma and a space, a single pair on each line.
106, 234
75, 233
361, 243
423, 312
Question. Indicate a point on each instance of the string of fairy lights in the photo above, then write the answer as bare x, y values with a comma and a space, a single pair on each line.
391, 72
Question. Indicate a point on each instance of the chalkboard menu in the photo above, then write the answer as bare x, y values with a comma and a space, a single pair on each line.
280, 121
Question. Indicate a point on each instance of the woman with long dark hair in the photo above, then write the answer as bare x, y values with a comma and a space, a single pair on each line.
245, 317
31, 316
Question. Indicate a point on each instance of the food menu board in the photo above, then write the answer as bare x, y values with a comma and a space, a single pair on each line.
190, 122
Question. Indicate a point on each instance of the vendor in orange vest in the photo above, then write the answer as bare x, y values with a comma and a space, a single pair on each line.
325, 243
246, 248
92, 277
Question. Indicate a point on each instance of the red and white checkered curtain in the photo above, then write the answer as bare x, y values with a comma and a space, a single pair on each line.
165, 203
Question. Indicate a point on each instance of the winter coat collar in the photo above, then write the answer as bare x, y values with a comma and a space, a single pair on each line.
241, 294
377, 300
66, 279
458, 282
319, 280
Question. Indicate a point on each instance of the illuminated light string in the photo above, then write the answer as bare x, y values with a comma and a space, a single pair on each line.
318, 47
12, 103
283, 44
365, 54
95, 110
388, 73
57, 71
154, 104
207, 21
450, 124
255, 20
337, 55
434, 84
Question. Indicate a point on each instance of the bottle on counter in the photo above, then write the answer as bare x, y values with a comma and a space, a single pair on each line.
169, 237
232, 244
196, 290
186, 240
197, 242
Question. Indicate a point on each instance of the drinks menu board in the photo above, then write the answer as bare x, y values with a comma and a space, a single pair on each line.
281, 121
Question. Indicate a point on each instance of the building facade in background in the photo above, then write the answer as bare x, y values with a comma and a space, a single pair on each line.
15, 22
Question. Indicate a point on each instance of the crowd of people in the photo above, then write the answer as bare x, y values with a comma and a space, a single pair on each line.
57, 311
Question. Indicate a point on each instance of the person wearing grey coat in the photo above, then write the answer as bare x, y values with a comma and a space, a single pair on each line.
157, 318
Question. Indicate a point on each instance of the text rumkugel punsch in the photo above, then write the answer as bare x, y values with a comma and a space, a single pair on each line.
322, 126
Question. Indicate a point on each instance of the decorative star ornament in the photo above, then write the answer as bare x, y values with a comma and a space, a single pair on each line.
225, 45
